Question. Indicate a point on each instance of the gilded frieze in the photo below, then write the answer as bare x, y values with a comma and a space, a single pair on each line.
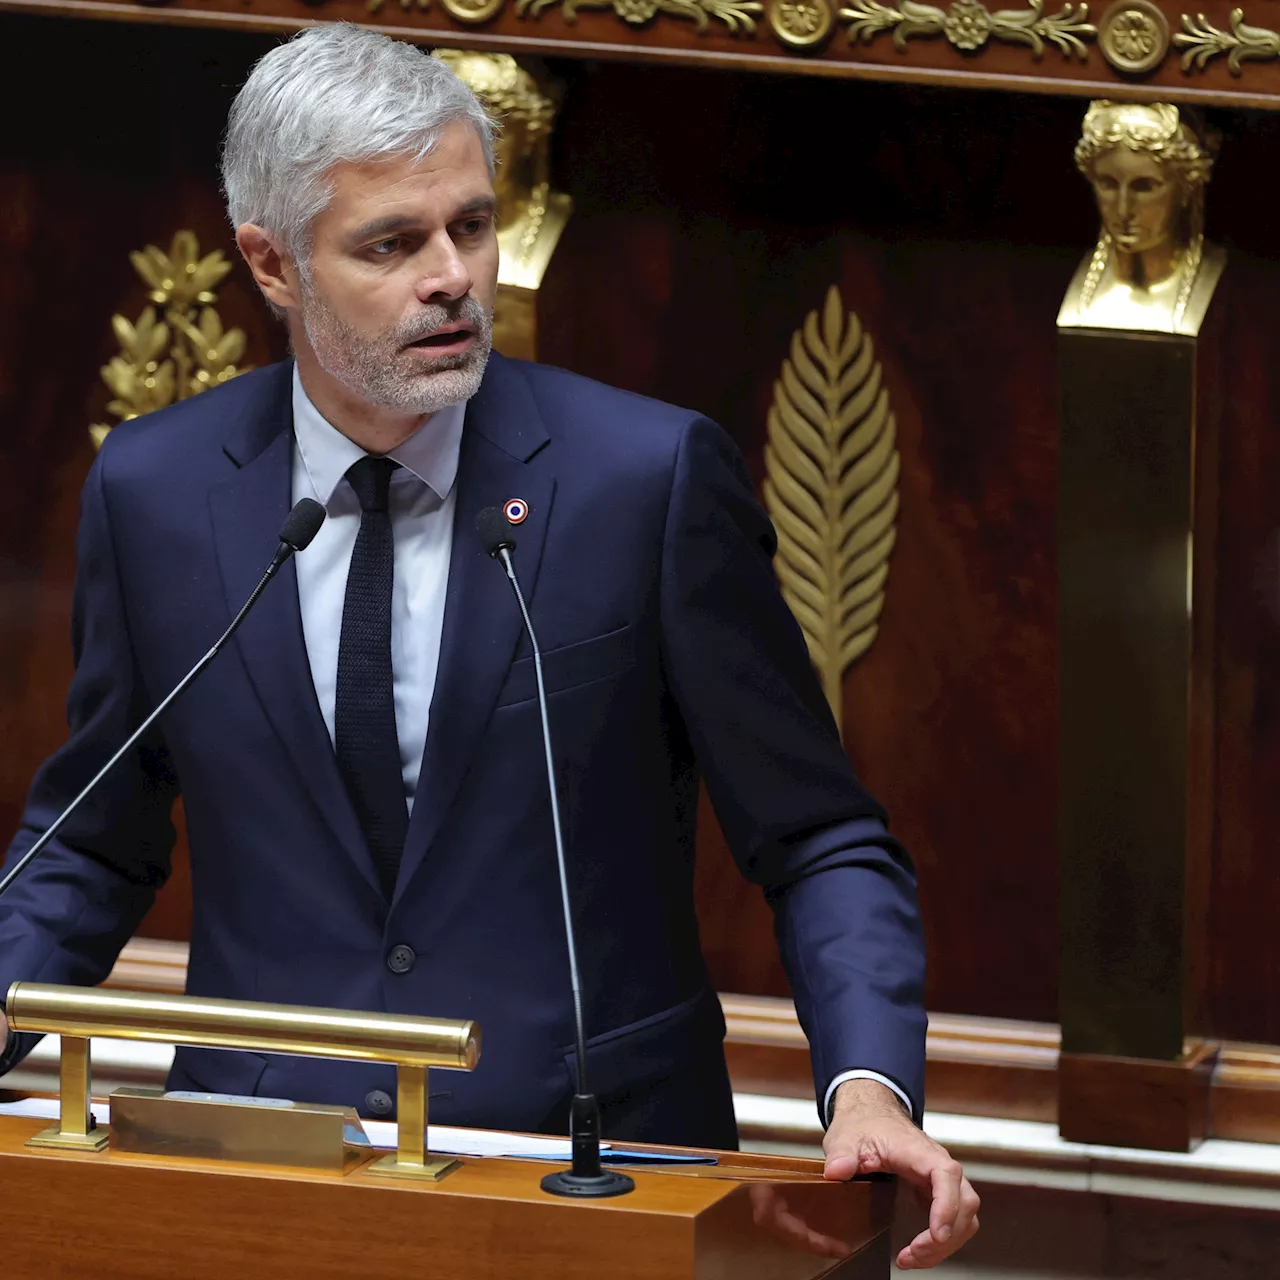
1201, 42
969, 25
737, 15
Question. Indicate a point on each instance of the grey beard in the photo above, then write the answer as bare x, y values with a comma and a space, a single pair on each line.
381, 372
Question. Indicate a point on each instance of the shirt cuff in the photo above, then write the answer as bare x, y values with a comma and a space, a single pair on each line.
864, 1075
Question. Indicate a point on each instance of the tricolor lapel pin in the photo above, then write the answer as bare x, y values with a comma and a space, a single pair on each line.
516, 510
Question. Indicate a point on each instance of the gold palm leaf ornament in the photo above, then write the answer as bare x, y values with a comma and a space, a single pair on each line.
831, 488
187, 352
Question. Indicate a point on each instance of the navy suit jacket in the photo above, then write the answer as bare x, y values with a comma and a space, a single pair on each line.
669, 655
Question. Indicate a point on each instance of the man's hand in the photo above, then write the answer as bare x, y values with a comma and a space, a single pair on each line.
4, 1032
870, 1133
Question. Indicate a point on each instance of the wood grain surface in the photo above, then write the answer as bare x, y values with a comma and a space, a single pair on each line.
151, 1218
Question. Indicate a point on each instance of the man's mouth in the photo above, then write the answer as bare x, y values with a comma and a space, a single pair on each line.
443, 339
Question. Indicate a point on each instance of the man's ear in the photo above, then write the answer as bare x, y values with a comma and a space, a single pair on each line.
272, 268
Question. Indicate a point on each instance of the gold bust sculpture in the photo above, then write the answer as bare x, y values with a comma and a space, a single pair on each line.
1151, 269
531, 216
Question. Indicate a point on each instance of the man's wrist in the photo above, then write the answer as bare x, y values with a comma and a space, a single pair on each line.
877, 1093
865, 1096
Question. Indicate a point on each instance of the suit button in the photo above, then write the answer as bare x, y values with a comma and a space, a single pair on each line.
401, 959
378, 1102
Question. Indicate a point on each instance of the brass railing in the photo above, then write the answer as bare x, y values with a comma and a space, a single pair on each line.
412, 1044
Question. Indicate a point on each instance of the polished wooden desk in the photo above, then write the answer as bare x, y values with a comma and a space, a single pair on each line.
113, 1214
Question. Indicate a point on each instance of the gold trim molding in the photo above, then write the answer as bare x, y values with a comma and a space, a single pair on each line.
1202, 42
968, 25
738, 15
831, 488
374, 6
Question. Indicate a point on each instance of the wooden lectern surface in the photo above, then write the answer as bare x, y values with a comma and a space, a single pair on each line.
114, 1214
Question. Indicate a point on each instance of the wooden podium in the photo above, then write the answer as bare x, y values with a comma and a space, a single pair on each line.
78, 1200
102, 1215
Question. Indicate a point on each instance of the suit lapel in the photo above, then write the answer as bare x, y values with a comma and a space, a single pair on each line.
247, 512
482, 624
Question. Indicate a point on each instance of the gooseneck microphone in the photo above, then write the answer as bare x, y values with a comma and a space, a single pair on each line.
586, 1177
300, 526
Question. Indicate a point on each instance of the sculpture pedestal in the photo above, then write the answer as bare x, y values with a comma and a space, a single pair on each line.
1137, 530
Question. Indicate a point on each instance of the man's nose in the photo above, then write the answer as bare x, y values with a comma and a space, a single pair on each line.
444, 274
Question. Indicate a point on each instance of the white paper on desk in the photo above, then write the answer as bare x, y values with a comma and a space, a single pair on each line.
382, 1133
478, 1142
47, 1109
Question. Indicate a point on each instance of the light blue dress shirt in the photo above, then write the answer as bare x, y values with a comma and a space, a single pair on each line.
422, 504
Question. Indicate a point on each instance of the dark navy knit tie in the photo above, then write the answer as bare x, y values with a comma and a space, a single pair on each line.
365, 710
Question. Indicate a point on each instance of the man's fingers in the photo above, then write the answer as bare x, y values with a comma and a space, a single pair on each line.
841, 1168
945, 1179
925, 1251
966, 1220
892, 1145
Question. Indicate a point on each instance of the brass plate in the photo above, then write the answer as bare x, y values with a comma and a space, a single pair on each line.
296, 1135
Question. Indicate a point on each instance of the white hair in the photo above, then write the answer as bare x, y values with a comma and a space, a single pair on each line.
335, 92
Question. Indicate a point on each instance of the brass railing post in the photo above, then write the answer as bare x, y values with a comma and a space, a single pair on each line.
76, 1127
410, 1159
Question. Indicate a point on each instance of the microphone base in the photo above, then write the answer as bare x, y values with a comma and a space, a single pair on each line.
588, 1187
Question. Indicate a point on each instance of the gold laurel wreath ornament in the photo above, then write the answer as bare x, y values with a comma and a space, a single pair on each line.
152, 371
831, 489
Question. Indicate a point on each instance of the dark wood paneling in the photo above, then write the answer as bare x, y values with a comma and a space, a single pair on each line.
124, 153
952, 231
712, 211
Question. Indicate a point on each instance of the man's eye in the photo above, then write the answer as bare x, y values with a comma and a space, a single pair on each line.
473, 226
385, 248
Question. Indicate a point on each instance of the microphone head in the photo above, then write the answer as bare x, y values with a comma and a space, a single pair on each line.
495, 531
302, 524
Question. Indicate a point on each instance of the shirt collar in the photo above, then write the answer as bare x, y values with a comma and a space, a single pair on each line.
431, 453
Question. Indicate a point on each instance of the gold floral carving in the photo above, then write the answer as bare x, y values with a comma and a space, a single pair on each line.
831, 488
163, 360
373, 6
801, 24
968, 25
1202, 41
1134, 36
473, 12
738, 15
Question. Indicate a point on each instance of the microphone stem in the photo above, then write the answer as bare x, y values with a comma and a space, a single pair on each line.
504, 554
38, 848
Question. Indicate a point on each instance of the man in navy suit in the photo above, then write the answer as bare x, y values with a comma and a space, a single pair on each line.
362, 779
